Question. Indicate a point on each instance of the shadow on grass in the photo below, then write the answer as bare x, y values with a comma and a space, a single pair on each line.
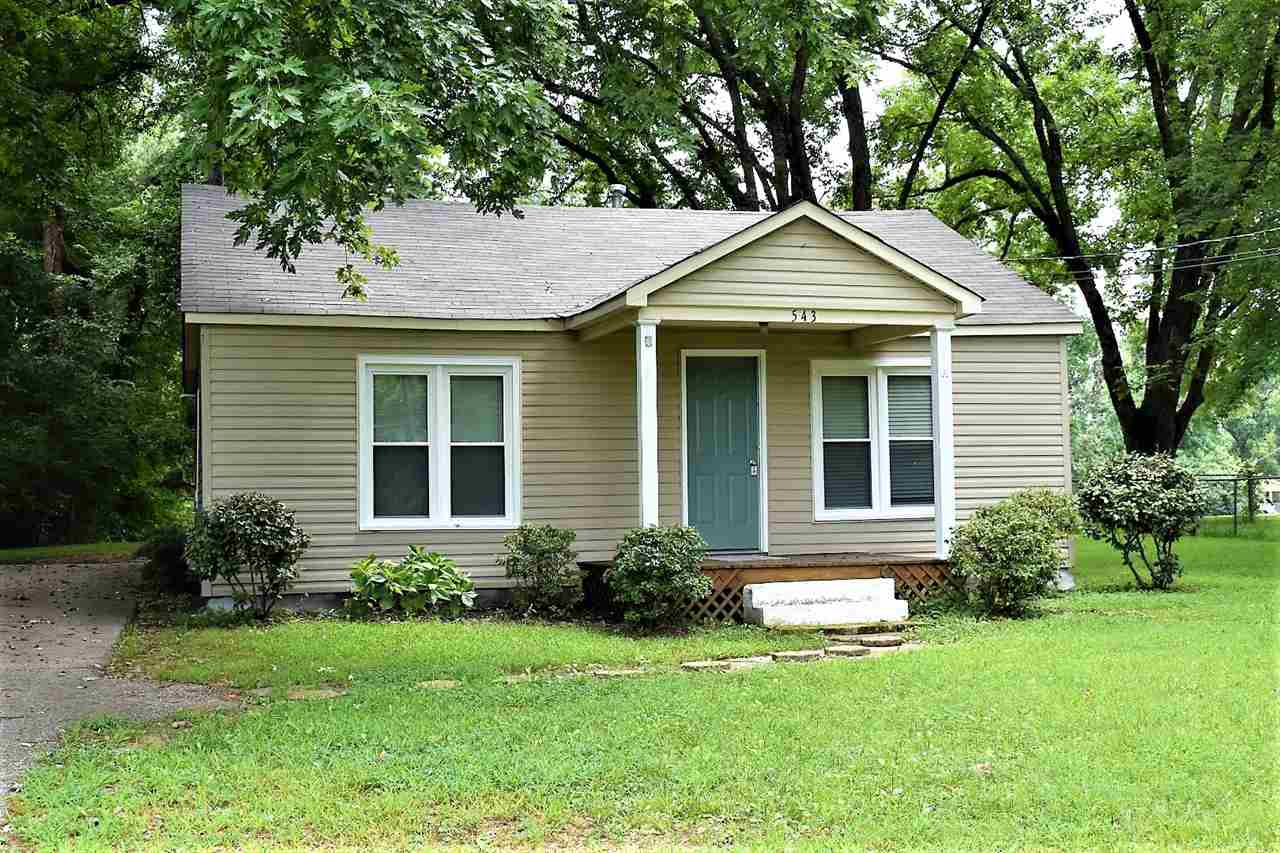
1130, 586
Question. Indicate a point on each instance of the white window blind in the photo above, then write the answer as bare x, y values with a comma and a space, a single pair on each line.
910, 401
846, 442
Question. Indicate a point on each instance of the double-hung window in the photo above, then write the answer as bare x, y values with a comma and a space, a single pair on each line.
873, 434
439, 442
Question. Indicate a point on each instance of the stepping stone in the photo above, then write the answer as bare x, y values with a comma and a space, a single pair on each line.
706, 666
440, 684
523, 678
260, 691
843, 651
736, 664
315, 693
867, 628
616, 673
877, 641
893, 650
800, 656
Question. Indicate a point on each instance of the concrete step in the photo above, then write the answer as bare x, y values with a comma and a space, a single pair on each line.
824, 615
821, 604
794, 593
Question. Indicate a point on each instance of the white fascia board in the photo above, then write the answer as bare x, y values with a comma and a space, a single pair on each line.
202, 318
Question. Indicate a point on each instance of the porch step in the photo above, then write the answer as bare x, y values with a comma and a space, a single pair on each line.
822, 603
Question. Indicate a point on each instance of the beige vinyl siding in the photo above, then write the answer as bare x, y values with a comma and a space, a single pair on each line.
1012, 417
802, 265
281, 408
279, 411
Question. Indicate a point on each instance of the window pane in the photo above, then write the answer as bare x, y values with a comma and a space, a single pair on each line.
475, 404
844, 407
479, 481
401, 477
399, 407
846, 474
910, 472
910, 406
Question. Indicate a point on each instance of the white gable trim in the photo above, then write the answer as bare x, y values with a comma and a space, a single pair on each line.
967, 301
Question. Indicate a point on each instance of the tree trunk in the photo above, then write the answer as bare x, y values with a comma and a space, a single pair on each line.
55, 245
859, 149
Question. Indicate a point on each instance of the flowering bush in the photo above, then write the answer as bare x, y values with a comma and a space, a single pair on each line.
1144, 499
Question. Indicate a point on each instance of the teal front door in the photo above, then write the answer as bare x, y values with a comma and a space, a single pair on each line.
723, 450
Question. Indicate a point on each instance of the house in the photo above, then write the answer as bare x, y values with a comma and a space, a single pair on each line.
792, 384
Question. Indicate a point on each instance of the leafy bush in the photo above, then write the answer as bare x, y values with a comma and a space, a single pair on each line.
656, 574
250, 542
1139, 498
541, 560
420, 583
1007, 554
166, 569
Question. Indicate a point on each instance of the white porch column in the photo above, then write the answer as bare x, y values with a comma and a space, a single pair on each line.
944, 471
647, 418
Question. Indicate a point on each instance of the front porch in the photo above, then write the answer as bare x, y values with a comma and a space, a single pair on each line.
793, 389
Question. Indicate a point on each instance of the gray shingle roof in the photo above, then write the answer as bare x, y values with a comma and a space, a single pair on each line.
553, 262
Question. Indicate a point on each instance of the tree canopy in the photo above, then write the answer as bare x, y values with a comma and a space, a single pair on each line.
1122, 157
1171, 136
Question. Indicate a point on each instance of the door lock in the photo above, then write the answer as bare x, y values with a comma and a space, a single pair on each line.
755, 468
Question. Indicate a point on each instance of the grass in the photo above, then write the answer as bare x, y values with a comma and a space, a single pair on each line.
1264, 528
92, 552
326, 651
1116, 719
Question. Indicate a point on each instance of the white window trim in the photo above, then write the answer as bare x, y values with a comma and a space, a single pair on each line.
438, 368
877, 371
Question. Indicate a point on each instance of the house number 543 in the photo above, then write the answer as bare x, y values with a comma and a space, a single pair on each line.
804, 315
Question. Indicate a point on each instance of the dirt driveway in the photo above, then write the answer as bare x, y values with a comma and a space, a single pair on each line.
58, 623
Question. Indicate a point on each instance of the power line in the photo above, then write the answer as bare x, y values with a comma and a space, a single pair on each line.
1219, 261
1124, 252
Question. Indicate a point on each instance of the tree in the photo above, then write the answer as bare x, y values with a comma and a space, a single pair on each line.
71, 80
714, 103
1176, 132
89, 389
316, 112
88, 271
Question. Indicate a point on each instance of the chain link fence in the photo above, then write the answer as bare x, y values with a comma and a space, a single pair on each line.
1239, 498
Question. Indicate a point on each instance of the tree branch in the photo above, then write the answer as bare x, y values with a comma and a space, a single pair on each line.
954, 80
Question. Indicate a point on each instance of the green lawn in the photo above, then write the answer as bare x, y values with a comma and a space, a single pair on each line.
334, 651
1263, 527
1117, 719
92, 552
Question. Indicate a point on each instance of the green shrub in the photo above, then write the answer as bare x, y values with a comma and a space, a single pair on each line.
540, 558
421, 583
656, 574
1140, 498
1007, 554
166, 569
250, 542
